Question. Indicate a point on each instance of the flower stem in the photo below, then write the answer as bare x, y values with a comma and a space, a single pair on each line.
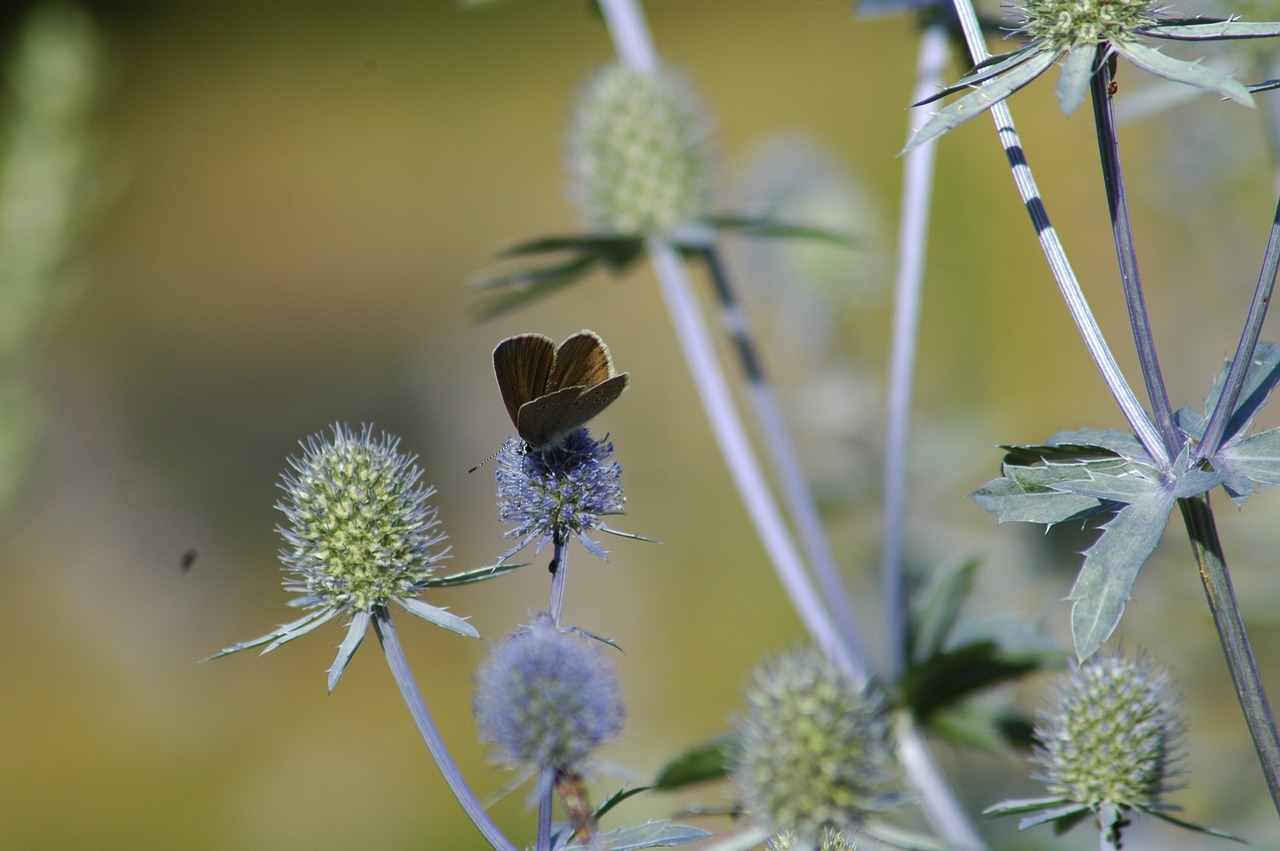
403, 676
1069, 286
546, 799
913, 239
1207, 548
1220, 417
709, 378
782, 452
1126, 253
559, 570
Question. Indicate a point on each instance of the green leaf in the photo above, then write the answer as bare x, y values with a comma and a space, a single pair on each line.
1110, 568
970, 726
1213, 29
1010, 500
767, 226
438, 616
617, 798
1192, 73
478, 574
936, 609
1124, 482
981, 99
1256, 457
1077, 71
992, 67
1121, 443
1260, 379
1026, 455
654, 834
614, 252
948, 677
1024, 805
707, 761
1195, 828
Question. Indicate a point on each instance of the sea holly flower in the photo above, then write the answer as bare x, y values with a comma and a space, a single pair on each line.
360, 535
814, 753
553, 493
1108, 743
547, 698
1082, 34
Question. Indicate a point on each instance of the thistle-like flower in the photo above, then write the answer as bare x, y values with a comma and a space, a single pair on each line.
552, 493
547, 698
639, 154
360, 535
1083, 34
814, 751
1109, 744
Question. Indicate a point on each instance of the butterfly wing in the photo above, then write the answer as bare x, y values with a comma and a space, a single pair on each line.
581, 361
547, 420
523, 366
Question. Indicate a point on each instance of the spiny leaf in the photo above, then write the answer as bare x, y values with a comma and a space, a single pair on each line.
1213, 28
1192, 73
1009, 500
1076, 72
981, 99
1110, 567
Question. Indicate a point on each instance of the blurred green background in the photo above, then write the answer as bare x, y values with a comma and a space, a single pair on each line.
292, 198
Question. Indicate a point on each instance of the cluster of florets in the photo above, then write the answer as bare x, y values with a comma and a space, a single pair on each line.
547, 698
1064, 24
564, 489
360, 532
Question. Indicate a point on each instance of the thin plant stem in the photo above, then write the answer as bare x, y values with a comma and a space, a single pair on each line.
946, 815
936, 797
779, 446
709, 379
559, 573
546, 800
913, 239
1221, 415
1207, 549
1068, 284
1126, 252
631, 39
403, 676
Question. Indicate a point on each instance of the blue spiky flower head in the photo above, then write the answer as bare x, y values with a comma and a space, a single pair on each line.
547, 698
360, 535
815, 754
562, 490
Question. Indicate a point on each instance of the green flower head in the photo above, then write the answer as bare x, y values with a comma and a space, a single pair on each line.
360, 535
1083, 36
815, 753
639, 154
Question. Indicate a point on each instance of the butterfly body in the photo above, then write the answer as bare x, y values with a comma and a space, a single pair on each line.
551, 391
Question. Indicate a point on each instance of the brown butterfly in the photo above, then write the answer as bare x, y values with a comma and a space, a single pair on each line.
549, 392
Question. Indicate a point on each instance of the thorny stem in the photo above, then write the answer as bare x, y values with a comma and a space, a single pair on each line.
546, 800
913, 240
1068, 285
1126, 253
1207, 549
786, 462
403, 676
